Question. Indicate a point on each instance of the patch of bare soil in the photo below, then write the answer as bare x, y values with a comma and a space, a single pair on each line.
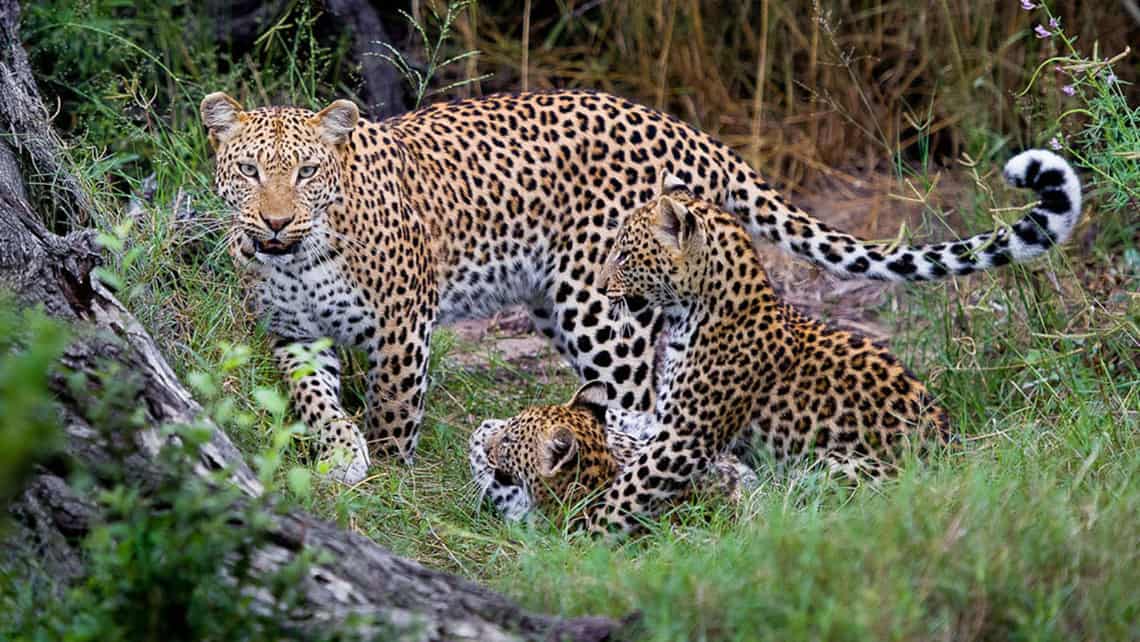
508, 337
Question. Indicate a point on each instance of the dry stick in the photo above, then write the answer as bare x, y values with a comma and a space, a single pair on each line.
525, 43
959, 62
663, 61
761, 78
813, 77
472, 87
1132, 8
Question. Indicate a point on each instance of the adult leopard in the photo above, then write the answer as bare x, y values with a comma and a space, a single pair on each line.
373, 233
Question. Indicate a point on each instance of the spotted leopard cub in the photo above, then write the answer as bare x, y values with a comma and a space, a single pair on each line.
556, 458
741, 363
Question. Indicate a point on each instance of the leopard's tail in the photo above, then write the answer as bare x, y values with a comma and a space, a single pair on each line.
1048, 222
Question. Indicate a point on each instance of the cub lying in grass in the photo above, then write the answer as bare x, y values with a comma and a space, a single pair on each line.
555, 458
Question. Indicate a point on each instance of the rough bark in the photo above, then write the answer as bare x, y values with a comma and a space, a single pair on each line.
26, 127
50, 517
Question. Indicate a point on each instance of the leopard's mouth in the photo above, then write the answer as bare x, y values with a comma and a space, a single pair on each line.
275, 247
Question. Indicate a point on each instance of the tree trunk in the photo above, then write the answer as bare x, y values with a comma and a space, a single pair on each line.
50, 517
383, 90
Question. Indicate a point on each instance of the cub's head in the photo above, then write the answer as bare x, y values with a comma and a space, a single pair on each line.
278, 168
546, 456
660, 251
679, 248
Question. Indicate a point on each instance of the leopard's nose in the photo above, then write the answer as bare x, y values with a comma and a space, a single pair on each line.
503, 478
276, 223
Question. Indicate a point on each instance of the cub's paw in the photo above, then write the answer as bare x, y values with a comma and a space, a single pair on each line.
241, 250
733, 479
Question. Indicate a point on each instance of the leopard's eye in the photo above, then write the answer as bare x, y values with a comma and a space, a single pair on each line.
306, 171
248, 169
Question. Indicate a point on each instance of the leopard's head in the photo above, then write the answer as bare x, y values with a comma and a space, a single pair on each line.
280, 169
557, 455
660, 252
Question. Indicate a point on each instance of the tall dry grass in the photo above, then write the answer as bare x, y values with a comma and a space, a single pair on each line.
804, 89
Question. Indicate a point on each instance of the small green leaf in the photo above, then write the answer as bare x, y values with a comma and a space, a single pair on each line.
109, 278
271, 400
202, 383
281, 438
131, 256
122, 230
300, 481
109, 242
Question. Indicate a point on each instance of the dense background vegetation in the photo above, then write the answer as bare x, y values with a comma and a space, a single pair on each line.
1029, 533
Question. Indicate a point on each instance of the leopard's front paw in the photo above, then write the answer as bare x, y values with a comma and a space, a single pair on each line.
348, 453
351, 471
241, 250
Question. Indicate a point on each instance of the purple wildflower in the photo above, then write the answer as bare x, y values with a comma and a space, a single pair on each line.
1055, 143
1068, 90
1042, 32
1027, 5
1110, 78
1054, 23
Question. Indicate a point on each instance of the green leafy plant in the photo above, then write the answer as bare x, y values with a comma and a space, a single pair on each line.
30, 343
172, 557
1105, 129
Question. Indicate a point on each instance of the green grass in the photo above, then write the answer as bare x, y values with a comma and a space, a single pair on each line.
1028, 532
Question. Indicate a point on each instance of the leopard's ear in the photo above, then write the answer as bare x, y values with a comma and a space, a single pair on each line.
491, 449
223, 117
335, 122
559, 452
593, 397
679, 224
672, 183
490, 432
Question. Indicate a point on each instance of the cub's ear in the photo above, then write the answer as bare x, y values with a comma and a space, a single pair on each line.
592, 397
679, 224
671, 183
491, 449
223, 117
335, 122
559, 452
